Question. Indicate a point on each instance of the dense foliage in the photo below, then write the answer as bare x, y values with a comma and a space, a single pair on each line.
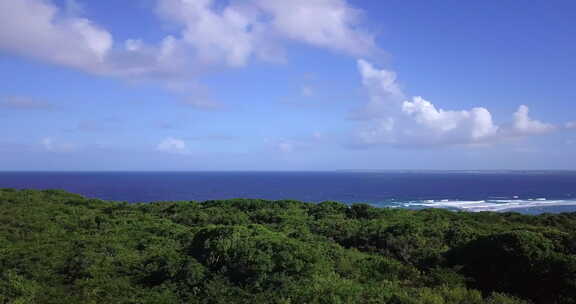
58, 247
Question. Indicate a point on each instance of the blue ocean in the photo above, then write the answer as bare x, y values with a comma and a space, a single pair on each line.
520, 191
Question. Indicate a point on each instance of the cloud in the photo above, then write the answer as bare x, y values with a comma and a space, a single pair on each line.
24, 103
229, 36
172, 145
210, 33
51, 145
389, 118
307, 91
331, 24
290, 145
570, 125
46, 32
452, 126
385, 94
286, 146
38, 29
202, 103
524, 125
236, 32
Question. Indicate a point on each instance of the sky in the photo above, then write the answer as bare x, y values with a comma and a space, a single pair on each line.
161, 85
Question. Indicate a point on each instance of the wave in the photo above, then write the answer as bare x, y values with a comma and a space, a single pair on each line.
499, 205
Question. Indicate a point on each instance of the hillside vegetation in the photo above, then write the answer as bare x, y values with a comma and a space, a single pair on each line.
58, 247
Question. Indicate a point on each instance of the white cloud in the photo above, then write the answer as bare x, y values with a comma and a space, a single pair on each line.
570, 125
381, 83
229, 34
234, 33
41, 30
450, 126
38, 29
52, 146
391, 119
330, 24
385, 94
524, 125
208, 33
172, 145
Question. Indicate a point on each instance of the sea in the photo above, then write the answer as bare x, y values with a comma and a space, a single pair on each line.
529, 192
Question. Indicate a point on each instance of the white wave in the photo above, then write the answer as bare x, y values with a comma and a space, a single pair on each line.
491, 205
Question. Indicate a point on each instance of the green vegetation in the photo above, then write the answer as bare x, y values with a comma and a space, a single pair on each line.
58, 247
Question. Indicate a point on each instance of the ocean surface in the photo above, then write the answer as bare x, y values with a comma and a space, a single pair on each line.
530, 192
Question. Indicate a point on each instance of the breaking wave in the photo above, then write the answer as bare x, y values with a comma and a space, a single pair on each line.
496, 205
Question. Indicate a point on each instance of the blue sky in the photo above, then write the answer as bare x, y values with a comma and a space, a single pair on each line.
287, 85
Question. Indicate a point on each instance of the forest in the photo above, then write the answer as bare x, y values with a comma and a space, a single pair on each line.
60, 247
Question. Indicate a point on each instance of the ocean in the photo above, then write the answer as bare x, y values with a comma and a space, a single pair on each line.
529, 192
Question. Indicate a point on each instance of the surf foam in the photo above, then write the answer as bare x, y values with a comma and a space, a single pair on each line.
490, 205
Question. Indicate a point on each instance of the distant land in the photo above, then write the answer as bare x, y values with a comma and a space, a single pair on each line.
478, 171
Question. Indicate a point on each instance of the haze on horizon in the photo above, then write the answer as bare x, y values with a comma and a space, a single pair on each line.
304, 85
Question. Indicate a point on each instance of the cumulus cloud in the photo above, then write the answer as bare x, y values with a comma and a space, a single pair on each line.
389, 118
385, 94
229, 36
439, 125
331, 24
240, 30
24, 103
524, 125
172, 145
46, 32
38, 29
209, 33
